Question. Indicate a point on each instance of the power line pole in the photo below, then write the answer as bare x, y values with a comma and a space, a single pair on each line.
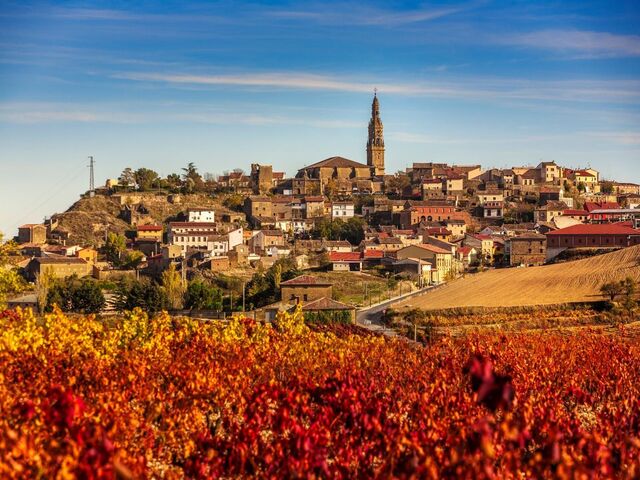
92, 189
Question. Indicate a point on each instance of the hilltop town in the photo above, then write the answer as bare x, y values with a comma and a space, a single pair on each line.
334, 237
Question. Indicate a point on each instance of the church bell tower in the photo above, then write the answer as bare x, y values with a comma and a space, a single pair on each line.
375, 144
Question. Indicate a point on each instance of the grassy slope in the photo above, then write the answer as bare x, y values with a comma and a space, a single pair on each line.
578, 281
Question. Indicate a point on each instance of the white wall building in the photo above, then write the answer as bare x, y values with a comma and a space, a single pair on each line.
342, 210
201, 215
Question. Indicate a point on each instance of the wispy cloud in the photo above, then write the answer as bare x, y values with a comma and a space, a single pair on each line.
472, 88
35, 113
581, 42
622, 138
359, 14
420, 138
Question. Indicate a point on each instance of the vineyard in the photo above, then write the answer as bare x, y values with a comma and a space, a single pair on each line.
174, 398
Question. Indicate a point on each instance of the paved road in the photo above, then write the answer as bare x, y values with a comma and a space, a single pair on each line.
371, 318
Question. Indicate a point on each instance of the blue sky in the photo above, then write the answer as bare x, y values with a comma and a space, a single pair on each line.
224, 84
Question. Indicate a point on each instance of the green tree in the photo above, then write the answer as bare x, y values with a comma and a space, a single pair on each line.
73, 295
127, 177
144, 294
202, 296
192, 180
612, 290
145, 178
87, 297
173, 181
582, 187
114, 248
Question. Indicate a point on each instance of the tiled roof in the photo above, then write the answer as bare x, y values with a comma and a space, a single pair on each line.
589, 206
344, 256
337, 162
150, 228
372, 254
193, 224
305, 280
432, 248
597, 229
574, 212
325, 303
59, 260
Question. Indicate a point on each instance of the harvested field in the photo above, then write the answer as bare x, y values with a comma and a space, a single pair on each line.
569, 282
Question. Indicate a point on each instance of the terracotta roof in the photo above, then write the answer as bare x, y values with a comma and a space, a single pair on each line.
317, 198
432, 248
31, 225
337, 162
389, 241
344, 256
272, 233
59, 260
193, 224
528, 236
325, 303
372, 254
589, 206
597, 229
465, 250
574, 212
306, 280
149, 228
438, 231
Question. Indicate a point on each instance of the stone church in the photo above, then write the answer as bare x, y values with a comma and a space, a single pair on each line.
341, 175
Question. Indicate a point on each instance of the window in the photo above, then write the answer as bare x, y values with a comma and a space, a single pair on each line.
304, 297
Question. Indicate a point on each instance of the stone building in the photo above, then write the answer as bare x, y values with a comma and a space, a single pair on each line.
305, 288
32, 233
375, 142
527, 249
341, 174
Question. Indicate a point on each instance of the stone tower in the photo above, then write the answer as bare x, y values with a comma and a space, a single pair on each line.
375, 144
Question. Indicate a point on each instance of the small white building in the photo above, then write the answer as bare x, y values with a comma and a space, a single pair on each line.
200, 215
342, 210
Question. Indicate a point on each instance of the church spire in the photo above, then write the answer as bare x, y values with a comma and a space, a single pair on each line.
375, 142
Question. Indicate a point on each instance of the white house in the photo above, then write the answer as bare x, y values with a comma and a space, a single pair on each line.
342, 210
201, 215
236, 237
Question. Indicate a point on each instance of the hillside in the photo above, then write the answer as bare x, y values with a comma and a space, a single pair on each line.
578, 281
86, 219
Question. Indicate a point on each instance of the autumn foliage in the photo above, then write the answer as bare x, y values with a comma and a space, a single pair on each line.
175, 398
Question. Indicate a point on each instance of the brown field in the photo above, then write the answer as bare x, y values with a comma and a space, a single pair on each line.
569, 282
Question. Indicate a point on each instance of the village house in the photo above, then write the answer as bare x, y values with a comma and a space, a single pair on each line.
527, 249
484, 244
58, 267
149, 232
493, 209
440, 259
431, 212
346, 261
342, 210
467, 256
305, 288
88, 254
590, 236
454, 184
547, 212
264, 239
580, 215
200, 215
35, 233
336, 246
